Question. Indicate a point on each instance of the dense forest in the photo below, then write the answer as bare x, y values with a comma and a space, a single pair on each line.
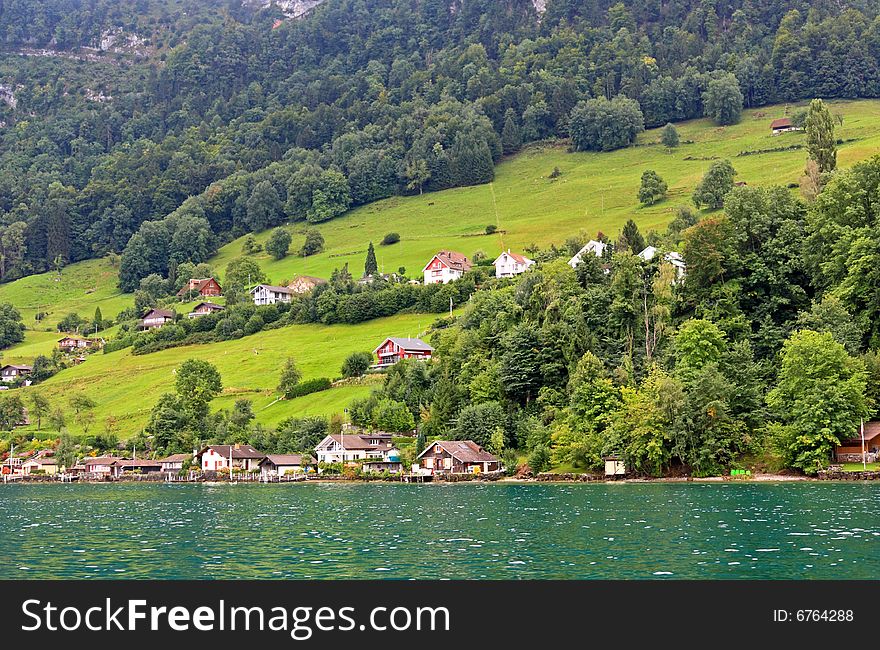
213, 119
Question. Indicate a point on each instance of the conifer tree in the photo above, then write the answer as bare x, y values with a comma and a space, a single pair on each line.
370, 265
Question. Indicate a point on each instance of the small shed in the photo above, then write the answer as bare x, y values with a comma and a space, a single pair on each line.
614, 466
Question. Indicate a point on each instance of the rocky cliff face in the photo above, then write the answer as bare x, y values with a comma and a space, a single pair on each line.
291, 8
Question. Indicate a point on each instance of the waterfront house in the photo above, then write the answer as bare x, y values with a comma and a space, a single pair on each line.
42, 462
456, 457
174, 463
156, 318
393, 349
304, 283
217, 457
99, 466
204, 308
853, 450
278, 465
267, 294
510, 264
204, 287
445, 267
781, 125
13, 372
124, 466
342, 448
389, 462
592, 247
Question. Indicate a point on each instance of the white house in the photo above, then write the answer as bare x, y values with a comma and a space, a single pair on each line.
592, 247
510, 264
217, 457
345, 447
672, 257
266, 294
445, 267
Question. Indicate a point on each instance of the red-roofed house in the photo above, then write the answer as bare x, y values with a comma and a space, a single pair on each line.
394, 348
456, 457
445, 267
204, 287
510, 264
781, 125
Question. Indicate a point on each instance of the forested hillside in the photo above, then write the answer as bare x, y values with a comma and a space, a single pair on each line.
263, 119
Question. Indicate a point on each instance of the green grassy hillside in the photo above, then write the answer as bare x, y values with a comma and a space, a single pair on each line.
596, 191
126, 386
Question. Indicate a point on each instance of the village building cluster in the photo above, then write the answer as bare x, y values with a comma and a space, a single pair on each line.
373, 453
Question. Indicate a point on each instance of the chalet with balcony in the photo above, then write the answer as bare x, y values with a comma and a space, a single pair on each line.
156, 318
393, 349
267, 294
11, 373
347, 447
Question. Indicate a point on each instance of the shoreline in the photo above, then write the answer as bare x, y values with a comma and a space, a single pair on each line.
564, 479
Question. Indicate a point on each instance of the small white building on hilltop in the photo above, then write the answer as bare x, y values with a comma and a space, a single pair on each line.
510, 264
672, 257
592, 247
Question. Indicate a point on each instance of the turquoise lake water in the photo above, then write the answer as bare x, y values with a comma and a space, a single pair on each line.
486, 531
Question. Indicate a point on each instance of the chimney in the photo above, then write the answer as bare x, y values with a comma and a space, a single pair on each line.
238, 445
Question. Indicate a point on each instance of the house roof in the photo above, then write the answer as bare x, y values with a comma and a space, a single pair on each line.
521, 259
43, 460
196, 284
597, 248
357, 440
453, 260
22, 368
210, 305
465, 451
238, 451
272, 287
284, 459
159, 313
124, 462
175, 458
100, 460
781, 123
408, 344
308, 278
872, 432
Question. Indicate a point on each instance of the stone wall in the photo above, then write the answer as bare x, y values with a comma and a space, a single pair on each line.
840, 475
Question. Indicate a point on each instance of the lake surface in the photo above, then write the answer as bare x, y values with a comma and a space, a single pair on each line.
488, 531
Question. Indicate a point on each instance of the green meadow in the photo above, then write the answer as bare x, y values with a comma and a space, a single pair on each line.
126, 386
593, 192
